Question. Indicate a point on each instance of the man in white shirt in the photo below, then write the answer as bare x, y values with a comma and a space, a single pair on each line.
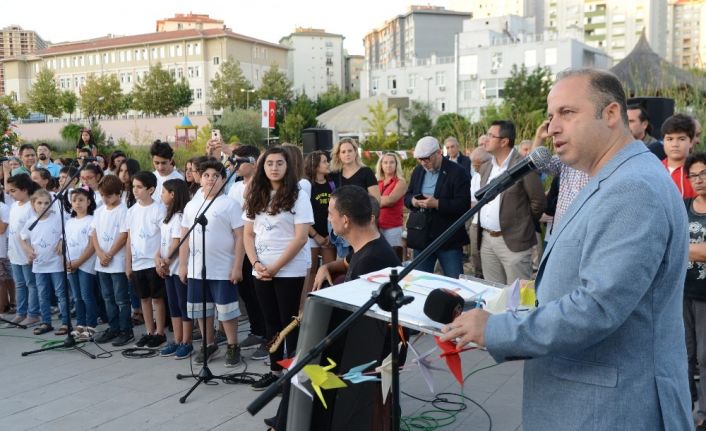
478, 157
508, 221
163, 162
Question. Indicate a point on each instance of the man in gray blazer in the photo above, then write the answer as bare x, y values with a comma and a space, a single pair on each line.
605, 347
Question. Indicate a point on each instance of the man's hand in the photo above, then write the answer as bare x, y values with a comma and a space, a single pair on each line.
541, 134
183, 271
322, 274
236, 275
430, 202
468, 327
214, 147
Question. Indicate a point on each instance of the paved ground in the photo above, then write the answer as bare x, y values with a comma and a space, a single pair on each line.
66, 391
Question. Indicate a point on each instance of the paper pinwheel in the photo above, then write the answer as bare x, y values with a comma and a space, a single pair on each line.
322, 378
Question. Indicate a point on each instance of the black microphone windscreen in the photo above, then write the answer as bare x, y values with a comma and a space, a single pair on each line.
443, 305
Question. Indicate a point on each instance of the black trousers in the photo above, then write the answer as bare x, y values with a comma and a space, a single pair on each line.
246, 291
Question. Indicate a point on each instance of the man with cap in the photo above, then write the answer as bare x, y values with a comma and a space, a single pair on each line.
441, 189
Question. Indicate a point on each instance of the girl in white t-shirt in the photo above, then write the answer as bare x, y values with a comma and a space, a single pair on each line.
277, 218
81, 262
42, 245
175, 196
7, 287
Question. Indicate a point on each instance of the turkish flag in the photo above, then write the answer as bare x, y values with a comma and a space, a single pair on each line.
269, 108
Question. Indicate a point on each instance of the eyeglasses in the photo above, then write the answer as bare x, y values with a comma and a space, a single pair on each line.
701, 175
490, 135
425, 159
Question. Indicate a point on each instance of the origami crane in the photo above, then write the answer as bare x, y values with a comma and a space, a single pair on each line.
322, 378
385, 370
425, 366
286, 363
450, 354
355, 374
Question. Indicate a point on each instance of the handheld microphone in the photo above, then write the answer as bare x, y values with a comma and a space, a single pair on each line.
537, 159
444, 305
235, 160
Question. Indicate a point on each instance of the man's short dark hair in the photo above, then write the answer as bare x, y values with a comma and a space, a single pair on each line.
679, 123
698, 157
24, 147
247, 151
212, 164
643, 112
354, 203
507, 130
148, 179
603, 87
161, 149
45, 145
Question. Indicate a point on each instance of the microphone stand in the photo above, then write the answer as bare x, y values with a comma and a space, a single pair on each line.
388, 297
69, 341
205, 375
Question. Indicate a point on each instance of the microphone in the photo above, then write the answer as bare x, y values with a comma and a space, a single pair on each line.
444, 305
537, 159
88, 159
235, 160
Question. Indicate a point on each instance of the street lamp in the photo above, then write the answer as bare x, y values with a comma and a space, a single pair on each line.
247, 97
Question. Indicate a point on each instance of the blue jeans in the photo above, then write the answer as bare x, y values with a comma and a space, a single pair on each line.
26, 290
46, 284
451, 262
82, 285
117, 300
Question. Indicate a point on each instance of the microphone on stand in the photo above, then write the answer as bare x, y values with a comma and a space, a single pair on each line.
536, 160
444, 305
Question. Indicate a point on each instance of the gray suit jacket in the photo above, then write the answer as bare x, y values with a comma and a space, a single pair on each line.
608, 337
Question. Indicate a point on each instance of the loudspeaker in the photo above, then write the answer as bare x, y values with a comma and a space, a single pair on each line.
658, 109
317, 140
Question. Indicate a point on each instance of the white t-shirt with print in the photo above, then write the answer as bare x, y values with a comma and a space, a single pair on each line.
108, 224
19, 214
143, 224
237, 192
157, 195
78, 235
169, 231
4, 218
44, 238
273, 233
224, 216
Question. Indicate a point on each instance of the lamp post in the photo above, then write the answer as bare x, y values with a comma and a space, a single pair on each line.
247, 97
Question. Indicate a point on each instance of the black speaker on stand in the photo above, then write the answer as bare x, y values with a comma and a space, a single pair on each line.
315, 139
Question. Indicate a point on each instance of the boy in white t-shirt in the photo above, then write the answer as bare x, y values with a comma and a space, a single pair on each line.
143, 227
109, 237
163, 162
224, 261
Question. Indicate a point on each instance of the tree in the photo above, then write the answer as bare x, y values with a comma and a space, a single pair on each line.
157, 92
332, 98
418, 117
43, 96
276, 86
380, 117
452, 124
243, 123
68, 101
101, 95
225, 90
15, 108
524, 99
301, 115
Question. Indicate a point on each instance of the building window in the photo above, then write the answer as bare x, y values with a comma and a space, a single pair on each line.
161, 52
530, 58
189, 49
492, 88
440, 79
90, 60
197, 49
412, 80
154, 53
112, 57
465, 90
496, 61
199, 93
391, 82
550, 56
441, 105
190, 72
216, 61
177, 50
196, 71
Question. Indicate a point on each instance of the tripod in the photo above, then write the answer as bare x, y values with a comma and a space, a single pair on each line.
205, 375
69, 342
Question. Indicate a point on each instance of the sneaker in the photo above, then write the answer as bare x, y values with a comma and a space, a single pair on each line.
261, 353
30, 321
169, 350
233, 356
265, 381
184, 351
221, 338
212, 351
156, 341
143, 341
106, 337
123, 339
252, 341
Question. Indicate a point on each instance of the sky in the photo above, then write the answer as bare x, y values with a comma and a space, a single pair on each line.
71, 20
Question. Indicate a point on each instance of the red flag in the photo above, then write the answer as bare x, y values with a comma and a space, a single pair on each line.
272, 116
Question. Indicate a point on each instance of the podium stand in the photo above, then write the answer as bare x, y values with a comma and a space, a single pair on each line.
364, 342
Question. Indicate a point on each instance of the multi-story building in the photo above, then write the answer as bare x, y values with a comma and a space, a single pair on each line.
489, 47
412, 55
189, 21
14, 41
192, 54
353, 69
497, 8
613, 26
686, 40
316, 61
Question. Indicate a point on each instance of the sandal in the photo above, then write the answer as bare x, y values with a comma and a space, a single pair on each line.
63, 330
43, 329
